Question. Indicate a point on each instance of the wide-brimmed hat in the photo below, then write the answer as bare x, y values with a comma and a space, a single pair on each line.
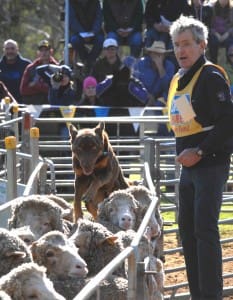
158, 47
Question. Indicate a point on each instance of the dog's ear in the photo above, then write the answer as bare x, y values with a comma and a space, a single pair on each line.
100, 128
73, 132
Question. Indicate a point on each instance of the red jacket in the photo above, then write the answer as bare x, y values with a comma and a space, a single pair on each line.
30, 75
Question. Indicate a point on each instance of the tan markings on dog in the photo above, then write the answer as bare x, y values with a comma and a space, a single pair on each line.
96, 167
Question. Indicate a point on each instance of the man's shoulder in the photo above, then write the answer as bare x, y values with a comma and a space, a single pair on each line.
24, 60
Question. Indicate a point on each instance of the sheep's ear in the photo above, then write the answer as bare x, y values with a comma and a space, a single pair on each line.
73, 132
110, 240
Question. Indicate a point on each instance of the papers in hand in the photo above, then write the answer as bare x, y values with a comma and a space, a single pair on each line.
86, 34
129, 29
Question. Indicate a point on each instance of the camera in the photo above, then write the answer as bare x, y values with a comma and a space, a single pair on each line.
58, 76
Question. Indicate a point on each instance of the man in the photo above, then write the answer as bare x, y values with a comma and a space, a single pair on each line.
159, 15
201, 115
155, 71
85, 23
123, 22
109, 63
33, 88
12, 66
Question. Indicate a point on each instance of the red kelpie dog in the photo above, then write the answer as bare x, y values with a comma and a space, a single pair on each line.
96, 167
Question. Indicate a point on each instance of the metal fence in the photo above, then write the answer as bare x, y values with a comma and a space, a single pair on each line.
42, 163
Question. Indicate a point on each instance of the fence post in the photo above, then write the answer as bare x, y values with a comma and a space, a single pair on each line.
142, 292
10, 145
149, 153
34, 149
132, 276
27, 124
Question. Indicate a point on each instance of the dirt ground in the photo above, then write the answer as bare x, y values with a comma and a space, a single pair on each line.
176, 260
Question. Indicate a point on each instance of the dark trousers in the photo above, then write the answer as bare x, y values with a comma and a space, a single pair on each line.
199, 207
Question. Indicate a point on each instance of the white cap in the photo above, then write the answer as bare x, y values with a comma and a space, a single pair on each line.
110, 43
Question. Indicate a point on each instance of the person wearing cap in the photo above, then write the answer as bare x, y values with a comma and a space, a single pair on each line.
61, 88
155, 71
109, 62
12, 66
85, 24
123, 22
33, 88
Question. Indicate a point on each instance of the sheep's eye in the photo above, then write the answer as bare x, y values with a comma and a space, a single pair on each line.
32, 297
46, 224
27, 241
49, 253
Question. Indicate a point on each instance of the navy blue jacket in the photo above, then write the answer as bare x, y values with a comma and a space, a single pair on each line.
11, 74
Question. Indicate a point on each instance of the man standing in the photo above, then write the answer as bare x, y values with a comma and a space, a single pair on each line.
201, 116
12, 66
33, 88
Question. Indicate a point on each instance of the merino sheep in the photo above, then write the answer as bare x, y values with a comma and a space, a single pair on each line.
25, 234
145, 246
119, 209
13, 251
155, 282
4, 296
67, 208
41, 214
113, 288
29, 281
97, 245
144, 198
59, 255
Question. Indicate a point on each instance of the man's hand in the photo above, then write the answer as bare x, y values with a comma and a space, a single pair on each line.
188, 157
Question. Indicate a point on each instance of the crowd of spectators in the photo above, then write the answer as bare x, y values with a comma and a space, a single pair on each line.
98, 73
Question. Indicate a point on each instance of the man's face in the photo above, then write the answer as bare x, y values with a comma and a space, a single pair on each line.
44, 54
187, 50
110, 52
10, 51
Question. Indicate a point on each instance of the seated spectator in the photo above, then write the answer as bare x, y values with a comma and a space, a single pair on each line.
61, 90
109, 63
85, 22
123, 22
221, 32
156, 71
78, 70
89, 96
201, 11
12, 66
159, 15
228, 65
33, 88
121, 92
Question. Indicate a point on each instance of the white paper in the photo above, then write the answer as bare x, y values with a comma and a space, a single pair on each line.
185, 108
86, 34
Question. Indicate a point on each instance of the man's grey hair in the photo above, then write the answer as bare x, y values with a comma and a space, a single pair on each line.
198, 29
10, 41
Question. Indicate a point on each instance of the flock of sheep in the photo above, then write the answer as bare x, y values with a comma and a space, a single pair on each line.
44, 255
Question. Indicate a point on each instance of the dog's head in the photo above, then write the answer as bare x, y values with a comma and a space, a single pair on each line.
88, 145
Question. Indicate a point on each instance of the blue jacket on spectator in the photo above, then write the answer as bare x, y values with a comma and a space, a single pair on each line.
11, 74
156, 86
